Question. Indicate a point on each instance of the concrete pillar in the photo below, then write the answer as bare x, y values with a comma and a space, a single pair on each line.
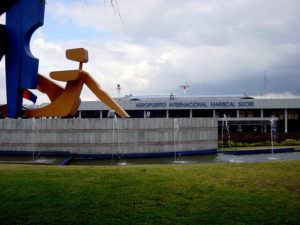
237, 113
145, 113
79, 113
167, 113
100, 113
262, 113
191, 113
214, 113
285, 120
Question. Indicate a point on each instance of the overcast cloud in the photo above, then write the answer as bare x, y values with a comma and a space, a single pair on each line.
216, 46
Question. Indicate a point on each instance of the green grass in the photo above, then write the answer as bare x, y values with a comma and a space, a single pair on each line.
256, 193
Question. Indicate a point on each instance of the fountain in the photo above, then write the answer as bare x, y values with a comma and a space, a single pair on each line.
33, 122
177, 159
115, 127
272, 131
225, 124
175, 130
148, 114
18, 136
122, 161
36, 154
111, 114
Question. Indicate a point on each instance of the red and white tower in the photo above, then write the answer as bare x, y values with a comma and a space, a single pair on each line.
184, 87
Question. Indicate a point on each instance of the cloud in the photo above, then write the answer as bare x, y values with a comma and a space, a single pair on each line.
217, 47
210, 41
190, 22
133, 66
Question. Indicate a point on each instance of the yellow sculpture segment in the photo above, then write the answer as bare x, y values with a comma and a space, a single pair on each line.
65, 101
49, 88
70, 75
78, 55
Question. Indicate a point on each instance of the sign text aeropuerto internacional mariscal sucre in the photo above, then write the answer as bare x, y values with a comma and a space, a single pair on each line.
195, 104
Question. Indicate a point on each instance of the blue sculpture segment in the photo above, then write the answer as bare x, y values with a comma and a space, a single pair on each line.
4, 6
3, 41
22, 19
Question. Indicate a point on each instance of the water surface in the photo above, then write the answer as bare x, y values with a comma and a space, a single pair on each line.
216, 158
30, 160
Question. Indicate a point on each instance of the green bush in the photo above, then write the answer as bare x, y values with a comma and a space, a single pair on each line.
254, 139
290, 142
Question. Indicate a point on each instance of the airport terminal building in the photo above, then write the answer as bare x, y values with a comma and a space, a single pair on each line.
242, 113
197, 130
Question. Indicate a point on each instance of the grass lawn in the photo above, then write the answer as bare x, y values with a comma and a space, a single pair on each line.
256, 193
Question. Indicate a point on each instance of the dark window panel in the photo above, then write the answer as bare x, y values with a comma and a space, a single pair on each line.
179, 113
90, 114
156, 113
202, 113
136, 113
228, 112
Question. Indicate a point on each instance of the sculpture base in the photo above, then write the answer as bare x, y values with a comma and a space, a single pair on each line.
104, 137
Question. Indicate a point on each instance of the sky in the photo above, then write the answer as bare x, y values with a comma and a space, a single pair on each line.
217, 47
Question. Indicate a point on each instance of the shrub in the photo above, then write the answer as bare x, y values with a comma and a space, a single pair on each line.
290, 142
253, 139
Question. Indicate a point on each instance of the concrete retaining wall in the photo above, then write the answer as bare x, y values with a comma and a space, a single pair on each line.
108, 136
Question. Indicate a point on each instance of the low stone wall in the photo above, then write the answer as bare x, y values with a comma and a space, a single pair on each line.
108, 136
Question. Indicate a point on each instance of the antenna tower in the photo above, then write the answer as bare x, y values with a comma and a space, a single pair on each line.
119, 89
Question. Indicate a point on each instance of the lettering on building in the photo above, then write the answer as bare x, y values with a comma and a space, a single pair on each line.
195, 105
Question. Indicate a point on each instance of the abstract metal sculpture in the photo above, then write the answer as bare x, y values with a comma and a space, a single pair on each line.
23, 17
65, 102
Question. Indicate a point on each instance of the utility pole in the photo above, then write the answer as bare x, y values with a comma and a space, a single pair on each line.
265, 82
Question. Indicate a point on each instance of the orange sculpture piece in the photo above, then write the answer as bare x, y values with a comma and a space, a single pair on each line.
65, 101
